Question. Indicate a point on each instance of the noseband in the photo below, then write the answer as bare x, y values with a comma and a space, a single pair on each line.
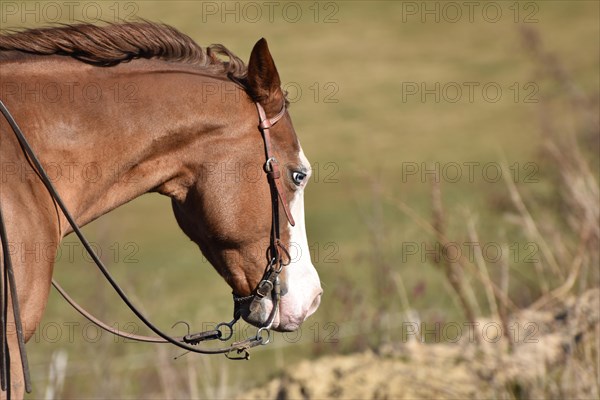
277, 256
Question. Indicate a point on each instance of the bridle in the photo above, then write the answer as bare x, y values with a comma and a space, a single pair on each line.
269, 284
277, 255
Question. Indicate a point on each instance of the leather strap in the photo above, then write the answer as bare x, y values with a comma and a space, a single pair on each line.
8, 288
272, 165
269, 283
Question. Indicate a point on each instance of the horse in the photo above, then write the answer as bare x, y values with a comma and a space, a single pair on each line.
139, 107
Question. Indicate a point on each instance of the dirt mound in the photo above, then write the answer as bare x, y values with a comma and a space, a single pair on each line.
368, 375
559, 361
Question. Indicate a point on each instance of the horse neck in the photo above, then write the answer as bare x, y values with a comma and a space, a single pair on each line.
148, 132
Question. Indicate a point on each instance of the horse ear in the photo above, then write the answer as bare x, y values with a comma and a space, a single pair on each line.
263, 79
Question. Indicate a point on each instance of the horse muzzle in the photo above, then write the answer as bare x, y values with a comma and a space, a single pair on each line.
284, 315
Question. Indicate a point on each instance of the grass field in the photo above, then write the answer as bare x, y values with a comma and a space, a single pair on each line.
363, 77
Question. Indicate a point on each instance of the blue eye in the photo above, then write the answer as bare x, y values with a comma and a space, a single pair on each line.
298, 177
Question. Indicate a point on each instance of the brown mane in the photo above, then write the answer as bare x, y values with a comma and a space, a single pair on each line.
116, 43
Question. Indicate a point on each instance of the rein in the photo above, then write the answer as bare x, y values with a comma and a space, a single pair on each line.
269, 284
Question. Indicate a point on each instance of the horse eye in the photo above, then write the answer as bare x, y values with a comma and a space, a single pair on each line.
298, 178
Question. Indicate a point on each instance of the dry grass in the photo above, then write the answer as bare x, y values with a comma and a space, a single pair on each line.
549, 346
553, 364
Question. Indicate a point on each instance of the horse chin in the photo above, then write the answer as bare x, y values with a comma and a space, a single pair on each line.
258, 313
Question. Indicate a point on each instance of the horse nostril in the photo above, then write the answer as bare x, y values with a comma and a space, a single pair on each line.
315, 304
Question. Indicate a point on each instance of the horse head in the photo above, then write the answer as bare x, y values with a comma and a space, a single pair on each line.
231, 216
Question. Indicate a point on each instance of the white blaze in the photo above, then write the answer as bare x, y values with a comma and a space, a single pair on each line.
302, 281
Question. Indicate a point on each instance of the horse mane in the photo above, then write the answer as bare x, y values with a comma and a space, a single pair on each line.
112, 44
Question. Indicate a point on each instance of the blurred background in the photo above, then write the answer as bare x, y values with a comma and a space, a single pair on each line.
455, 156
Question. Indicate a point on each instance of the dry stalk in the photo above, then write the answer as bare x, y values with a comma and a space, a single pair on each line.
464, 262
404, 301
454, 274
192, 375
549, 64
531, 228
480, 262
166, 373
564, 289
208, 385
539, 271
504, 284
403, 294
56, 374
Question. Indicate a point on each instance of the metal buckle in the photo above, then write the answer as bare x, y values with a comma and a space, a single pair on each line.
273, 265
268, 165
277, 270
264, 288
228, 325
263, 339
